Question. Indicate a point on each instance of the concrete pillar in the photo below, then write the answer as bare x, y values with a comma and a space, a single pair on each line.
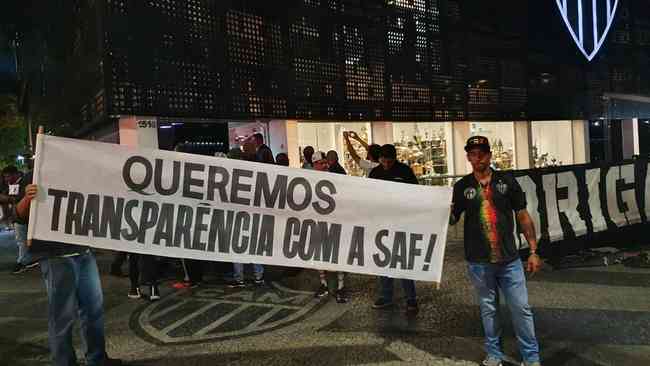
461, 131
580, 132
627, 132
630, 144
139, 131
523, 142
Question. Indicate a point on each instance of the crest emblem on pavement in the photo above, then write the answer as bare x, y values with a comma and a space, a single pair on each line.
215, 313
588, 22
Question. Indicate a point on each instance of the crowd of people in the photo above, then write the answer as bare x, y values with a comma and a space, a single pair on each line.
490, 200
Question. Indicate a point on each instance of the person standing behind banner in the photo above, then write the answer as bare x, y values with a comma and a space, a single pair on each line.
192, 269
330, 163
263, 153
282, 159
143, 270
393, 170
74, 291
488, 198
333, 163
373, 152
250, 153
308, 154
16, 182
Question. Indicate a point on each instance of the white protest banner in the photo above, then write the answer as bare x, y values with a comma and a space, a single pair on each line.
190, 206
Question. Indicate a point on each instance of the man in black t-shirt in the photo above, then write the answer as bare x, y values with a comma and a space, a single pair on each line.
489, 198
393, 170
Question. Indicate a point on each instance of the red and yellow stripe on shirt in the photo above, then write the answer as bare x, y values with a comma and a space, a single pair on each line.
489, 218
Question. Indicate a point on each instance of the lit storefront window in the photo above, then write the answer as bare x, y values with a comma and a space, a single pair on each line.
325, 136
502, 142
423, 146
552, 143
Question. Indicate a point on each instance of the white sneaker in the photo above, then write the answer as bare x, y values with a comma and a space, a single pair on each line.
491, 362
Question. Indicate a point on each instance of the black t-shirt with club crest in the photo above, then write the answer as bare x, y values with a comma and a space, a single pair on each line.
489, 219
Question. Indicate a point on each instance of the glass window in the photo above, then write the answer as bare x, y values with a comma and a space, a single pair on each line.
423, 146
502, 142
552, 143
325, 136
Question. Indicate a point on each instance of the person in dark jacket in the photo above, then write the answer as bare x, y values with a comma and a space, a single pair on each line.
263, 153
282, 159
333, 163
393, 170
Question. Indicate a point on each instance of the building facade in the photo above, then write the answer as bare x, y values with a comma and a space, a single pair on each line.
423, 74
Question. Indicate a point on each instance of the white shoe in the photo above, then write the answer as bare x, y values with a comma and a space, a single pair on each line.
491, 362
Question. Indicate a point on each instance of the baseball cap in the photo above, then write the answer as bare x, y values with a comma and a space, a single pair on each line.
481, 142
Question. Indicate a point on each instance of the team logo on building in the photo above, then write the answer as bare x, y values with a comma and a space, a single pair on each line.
588, 22
470, 193
502, 187
216, 313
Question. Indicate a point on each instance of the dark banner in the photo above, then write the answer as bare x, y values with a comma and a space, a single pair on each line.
585, 206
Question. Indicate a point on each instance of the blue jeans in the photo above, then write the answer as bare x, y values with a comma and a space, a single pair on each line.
238, 269
74, 291
510, 278
21, 240
386, 284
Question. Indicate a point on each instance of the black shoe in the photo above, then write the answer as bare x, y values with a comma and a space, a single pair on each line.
412, 307
19, 268
259, 282
134, 293
322, 291
154, 295
341, 296
382, 303
32, 265
194, 284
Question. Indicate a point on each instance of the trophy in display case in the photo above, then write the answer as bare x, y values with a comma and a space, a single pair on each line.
543, 160
425, 154
502, 158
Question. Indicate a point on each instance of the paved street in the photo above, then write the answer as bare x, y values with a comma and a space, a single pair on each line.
586, 317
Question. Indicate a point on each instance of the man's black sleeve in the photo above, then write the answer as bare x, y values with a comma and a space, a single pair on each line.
458, 201
410, 176
517, 196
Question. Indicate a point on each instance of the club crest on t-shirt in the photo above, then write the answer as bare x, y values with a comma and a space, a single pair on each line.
502, 187
470, 193
14, 189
